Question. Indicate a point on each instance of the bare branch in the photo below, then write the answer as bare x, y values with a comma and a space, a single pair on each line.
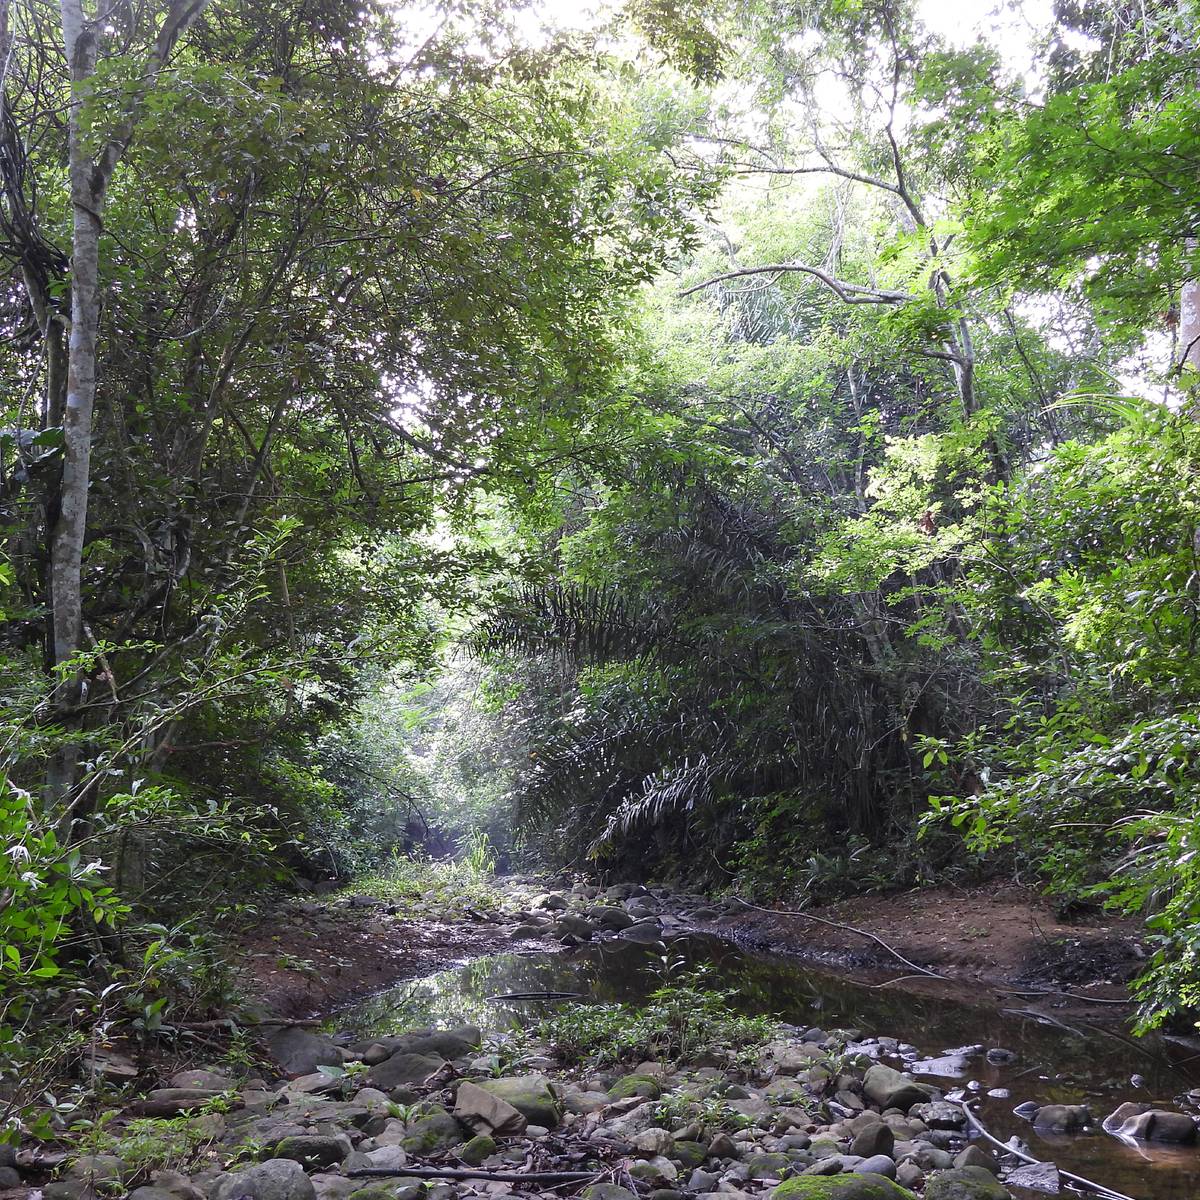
848, 293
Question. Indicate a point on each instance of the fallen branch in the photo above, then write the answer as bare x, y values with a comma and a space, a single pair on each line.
1079, 1180
796, 912
462, 1173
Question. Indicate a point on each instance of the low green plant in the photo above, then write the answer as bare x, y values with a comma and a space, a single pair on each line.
711, 1113
147, 1143
444, 883
682, 1020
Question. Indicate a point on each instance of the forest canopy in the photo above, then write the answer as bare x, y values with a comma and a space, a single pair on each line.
747, 444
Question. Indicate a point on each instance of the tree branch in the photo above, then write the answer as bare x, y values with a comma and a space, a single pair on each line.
848, 293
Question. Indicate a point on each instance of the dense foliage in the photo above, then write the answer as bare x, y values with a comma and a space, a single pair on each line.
706, 446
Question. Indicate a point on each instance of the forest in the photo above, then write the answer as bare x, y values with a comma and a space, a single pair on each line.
486, 460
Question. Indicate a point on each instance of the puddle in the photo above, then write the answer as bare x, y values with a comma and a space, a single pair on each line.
1051, 1064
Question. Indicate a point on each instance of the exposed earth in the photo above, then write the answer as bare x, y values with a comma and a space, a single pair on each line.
310, 956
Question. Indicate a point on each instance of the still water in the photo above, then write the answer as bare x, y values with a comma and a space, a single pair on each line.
1084, 1064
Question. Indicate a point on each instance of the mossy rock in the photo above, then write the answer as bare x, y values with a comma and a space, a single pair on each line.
966, 1183
405, 1188
477, 1149
840, 1187
438, 1131
689, 1154
530, 1095
635, 1085
607, 1191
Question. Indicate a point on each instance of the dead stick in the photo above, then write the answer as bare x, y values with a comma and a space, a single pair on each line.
456, 1173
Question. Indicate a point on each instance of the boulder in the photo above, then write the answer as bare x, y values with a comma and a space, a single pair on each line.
215, 1081
405, 1188
530, 1095
1062, 1118
299, 1052
654, 1141
769, 1166
275, 1179
607, 1191
644, 934
481, 1110
481, 1146
1036, 1177
402, 1068
1158, 1125
966, 1183
876, 1164
576, 925
940, 1114
635, 1085
610, 917
431, 1133
875, 1139
314, 1149
890, 1088
527, 932
840, 1187
976, 1156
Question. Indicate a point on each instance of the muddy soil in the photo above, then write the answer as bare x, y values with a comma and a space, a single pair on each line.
1005, 938
307, 960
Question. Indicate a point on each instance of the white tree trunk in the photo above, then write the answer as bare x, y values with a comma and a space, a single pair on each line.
87, 191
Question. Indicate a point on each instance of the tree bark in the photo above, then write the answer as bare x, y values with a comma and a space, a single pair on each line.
88, 187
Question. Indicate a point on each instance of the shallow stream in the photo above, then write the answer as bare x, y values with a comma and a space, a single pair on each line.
1099, 1066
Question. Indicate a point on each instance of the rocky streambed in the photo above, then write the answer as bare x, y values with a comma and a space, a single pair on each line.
418, 1093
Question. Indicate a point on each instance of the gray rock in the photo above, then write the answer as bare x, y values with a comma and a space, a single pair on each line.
644, 934
940, 1114
299, 1052
654, 1141
702, 1181
97, 1168
976, 1156
315, 1149
1158, 1125
607, 1191
1062, 1118
610, 917
874, 1140
891, 1089
215, 1081
876, 1164
840, 1187
485, 1112
429, 1134
966, 1183
389, 1157
530, 1095
275, 1179
1036, 1177
768, 1166
576, 925
481, 1146
150, 1192
403, 1068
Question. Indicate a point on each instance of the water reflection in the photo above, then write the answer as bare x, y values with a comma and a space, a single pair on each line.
1052, 1064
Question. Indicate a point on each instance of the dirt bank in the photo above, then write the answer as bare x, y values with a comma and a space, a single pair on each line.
1004, 938
310, 959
